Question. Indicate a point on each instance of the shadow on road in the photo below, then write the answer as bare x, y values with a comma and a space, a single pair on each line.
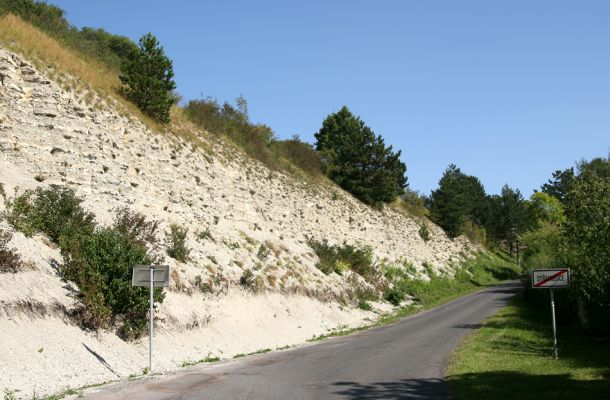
424, 389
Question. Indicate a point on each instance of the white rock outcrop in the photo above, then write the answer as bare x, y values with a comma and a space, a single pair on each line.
49, 135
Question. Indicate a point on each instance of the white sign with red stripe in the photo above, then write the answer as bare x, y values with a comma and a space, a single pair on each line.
551, 278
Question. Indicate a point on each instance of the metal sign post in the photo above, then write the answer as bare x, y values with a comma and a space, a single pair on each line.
551, 279
152, 276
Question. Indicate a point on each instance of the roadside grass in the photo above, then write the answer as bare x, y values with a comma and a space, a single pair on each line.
487, 269
510, 358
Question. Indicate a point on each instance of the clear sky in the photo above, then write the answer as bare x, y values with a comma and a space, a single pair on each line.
508, 90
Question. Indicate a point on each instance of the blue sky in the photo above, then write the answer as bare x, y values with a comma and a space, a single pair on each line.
508, 90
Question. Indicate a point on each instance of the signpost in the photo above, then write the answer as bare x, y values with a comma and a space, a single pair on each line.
150, 276
551, 279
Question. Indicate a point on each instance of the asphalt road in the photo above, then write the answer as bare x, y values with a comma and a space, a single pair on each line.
404, 360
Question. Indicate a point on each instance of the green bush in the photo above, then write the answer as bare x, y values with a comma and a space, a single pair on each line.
10, 261
135, 226
98, 260
176, 243
247, 279
300, 154
424, 232
100, 263
55, 211
336, 258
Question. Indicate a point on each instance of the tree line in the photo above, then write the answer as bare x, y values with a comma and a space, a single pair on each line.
566, 224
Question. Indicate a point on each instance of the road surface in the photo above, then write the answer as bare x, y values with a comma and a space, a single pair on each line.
404, 360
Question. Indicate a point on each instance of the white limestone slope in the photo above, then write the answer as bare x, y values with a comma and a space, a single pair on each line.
49, 135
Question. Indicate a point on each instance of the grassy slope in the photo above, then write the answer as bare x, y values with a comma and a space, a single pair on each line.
510, 358
486, 270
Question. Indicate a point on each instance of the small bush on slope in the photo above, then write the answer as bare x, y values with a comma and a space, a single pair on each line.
9, 259
55, 211
99, 260
176, 243
339, 258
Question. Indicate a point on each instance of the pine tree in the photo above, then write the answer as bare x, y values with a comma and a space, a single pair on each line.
147, 76
359, 161
448, 206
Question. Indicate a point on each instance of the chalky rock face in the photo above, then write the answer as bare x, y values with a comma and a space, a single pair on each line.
240, 215
113, 161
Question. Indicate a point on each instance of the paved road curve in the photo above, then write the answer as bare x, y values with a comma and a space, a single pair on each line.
405, 360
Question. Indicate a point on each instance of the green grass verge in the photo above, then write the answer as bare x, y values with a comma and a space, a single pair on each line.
487, 269
510, 358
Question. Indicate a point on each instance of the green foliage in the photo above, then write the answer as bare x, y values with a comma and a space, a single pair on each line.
247, 279
587, 209
98, 260
340, 258
234, 123
448, 205
413, 203
508, 216
560, 184
101, 265
176, 243
484, 270
509, 358
424, 232
10, 261
55, 211
544, 247
300, 154
148, 78
359, 161
98, 44
544, 208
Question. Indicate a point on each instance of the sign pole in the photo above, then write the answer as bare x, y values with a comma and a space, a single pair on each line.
150, 335
555, 355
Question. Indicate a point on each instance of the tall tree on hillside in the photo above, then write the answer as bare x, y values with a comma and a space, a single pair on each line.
148, 79
509, 215
359, 161
458, 199
448, 207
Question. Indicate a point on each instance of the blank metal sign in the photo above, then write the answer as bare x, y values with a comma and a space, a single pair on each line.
141, 275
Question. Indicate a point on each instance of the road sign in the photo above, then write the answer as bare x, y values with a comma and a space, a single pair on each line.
151, 276
551, 278
141, 275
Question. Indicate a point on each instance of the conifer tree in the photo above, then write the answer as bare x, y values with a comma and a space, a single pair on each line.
148, 79
359, 161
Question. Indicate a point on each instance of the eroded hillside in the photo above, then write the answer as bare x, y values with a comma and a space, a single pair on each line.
240, 215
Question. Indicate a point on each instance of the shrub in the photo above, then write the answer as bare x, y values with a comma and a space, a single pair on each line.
148, 78
424, 232
134, 226
300, 154
10, 261
339, 258
176, 243
394, 296
247, 279
101, 263
55, 211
